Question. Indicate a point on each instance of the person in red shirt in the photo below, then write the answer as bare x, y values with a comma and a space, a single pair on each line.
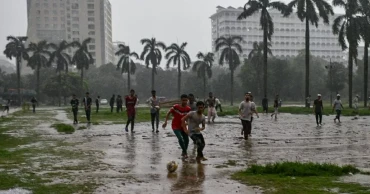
130, 102
178, 112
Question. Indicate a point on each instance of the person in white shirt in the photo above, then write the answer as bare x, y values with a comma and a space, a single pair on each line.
246, 110
337, 106
355, 103
218, 104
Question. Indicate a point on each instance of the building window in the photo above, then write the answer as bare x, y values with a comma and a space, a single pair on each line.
61, 4
55, 5
92, 33
91, 19
74, 5
76, 33
91, 26
46, 5
55, 26
75, 26
37, 4
75, 12
90, 6
75, 19
55, 12
38, 12
91, 47
62, 19
92, 40
90, 13
93, 54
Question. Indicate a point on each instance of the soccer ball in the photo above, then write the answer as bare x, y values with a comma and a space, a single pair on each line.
172, 166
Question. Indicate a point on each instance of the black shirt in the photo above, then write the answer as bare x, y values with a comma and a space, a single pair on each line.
97, 101
87, 102
74, 103
264, 102
318, 105
111, 102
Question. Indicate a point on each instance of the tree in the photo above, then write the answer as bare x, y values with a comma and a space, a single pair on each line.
152, 54
336, 81
230, 48
125, 63
176, 54
365, 28
39, 59
263, 6
82, 58
306, 11
203, 67
15, 48
347, 27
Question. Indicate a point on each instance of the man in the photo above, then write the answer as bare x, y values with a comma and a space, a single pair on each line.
355, 103
245, 113
111, 102
178, 112
337, 106
318, 109
74, 103
192, 103
130, 103
308, 101
218, 104
97, 103
154, 110
87, 104
34, 103
276, 107
265, 105
7, 106
194, 119
119, 103
211, 102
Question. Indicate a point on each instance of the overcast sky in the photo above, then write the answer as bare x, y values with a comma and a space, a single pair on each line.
170, 21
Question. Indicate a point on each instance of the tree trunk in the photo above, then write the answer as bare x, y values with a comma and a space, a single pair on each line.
366, 71
82, 80
265, 60
179, 80
19, 79
153, 73
129, 78
37, 82
204, 84
307, 57
350, 72
60, 88
231, 77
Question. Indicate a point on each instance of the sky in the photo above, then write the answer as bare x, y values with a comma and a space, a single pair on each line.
169, 21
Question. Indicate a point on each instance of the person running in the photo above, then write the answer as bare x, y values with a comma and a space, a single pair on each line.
245, 113
355, 104
192, 103
130, 103
194, 119
34, 103
318, 108
111, 102
74, 103
337, 106
218, 104
87, 104
211, 102
7, 106
265, 105
154, 110
178, 112
276, 107
97, 103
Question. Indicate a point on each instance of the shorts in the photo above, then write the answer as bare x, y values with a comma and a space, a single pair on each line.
212, 111
265, 108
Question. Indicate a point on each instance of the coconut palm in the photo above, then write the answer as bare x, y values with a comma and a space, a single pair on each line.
307, 12
203, 67
39, 59
177, 55
365, 29
15, 48
347, 27
82, 58
263, 7
152, 54
230, 47
125, 63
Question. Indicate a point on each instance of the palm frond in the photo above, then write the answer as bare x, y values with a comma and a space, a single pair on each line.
249, 9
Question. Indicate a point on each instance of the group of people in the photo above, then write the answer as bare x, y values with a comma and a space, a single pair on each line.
33, 103
318, 108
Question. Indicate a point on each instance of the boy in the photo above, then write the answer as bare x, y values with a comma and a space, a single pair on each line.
87, 104
130, 103
246, 110
154, 110
74, 104
276, 107
178, 112
194, 118
318, 108
211, 102
338, 108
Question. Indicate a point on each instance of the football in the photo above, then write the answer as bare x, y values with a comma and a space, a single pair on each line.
172, 166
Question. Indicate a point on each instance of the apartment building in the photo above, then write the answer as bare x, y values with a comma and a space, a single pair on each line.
72, 20
288, 38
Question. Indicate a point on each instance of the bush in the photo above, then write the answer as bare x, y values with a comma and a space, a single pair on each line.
64, 128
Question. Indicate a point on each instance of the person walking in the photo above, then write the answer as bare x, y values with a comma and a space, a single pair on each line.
34, 103
192, 102
265, 105
74, 103
178, 112
218, 104
119, 103
97, 103
111, 102
154, 110
7, 106
337, 106
355, 103
130, 104
245, 113
308, 101
194, 119
211, 114
276, 107
318, 108
87, 104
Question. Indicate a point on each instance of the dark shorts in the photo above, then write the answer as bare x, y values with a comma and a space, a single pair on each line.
265, 108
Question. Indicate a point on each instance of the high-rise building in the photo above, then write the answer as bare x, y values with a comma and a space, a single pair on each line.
288, 38
73, 20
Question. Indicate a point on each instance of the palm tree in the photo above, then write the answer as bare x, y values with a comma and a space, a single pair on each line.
306, 11
39, 59
125, 63
82, 58
203, 67
230, 48
176, 54
263, 6
152, 54
15, 48
256, 58
347, 27
365, 8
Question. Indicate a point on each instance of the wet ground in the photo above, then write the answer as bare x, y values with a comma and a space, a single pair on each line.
136, 163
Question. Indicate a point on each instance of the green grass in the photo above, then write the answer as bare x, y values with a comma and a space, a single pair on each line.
294, 177
327, 111
64, 128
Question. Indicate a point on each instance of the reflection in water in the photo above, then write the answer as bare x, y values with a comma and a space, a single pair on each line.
190, 179
155, 145
131, 148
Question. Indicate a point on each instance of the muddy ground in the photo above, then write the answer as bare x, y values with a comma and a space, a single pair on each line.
121, 162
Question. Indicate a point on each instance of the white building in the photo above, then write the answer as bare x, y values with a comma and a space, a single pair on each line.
288, 38
72, 20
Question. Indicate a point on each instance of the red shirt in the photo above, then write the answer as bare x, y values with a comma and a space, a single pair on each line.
130, 104
178, 113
